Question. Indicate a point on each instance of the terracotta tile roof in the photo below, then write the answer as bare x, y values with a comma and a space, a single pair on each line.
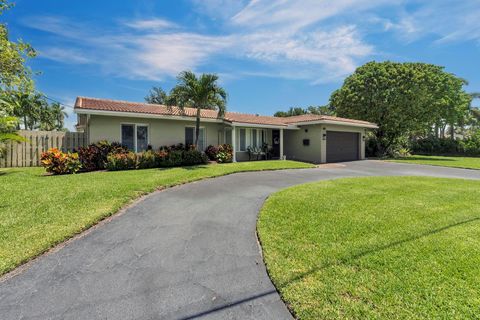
316, 117
156, 109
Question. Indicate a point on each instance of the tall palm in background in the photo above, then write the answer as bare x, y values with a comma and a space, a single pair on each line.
201, 92
58, 114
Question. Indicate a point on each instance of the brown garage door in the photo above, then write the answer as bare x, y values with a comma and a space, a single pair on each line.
342, 146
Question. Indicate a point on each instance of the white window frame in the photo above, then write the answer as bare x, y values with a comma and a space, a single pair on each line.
135, 133
204, 135
249, 137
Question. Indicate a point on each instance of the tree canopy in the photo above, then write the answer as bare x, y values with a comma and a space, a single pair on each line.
14, 73
403, 99
297, 111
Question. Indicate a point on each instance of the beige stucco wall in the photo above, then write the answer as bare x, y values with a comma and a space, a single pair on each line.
316, 152
161, 132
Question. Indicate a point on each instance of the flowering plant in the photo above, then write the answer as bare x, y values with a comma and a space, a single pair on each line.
58, 162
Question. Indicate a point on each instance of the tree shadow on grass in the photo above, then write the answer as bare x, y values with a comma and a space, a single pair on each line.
367, 252
425, 159
340, 261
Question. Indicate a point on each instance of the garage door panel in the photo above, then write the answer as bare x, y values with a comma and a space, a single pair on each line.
342, 146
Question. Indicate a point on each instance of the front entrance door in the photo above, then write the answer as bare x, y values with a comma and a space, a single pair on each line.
276, 143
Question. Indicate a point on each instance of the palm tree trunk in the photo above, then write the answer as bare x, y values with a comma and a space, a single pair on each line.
197, 128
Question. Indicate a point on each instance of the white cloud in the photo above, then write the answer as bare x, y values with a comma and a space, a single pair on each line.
151, 24
295, 14
318, 40
64, 55
445, 20
317, 54
223, 9
149, 55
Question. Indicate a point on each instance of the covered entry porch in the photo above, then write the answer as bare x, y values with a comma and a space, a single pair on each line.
254, 142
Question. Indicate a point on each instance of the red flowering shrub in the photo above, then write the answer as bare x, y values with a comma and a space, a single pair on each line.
58, 162
211, 152
95, 155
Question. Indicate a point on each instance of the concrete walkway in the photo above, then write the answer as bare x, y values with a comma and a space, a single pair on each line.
185, 253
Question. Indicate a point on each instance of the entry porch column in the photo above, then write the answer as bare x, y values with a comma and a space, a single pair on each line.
234, 144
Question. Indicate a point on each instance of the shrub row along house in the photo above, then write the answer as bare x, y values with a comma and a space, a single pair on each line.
311, 138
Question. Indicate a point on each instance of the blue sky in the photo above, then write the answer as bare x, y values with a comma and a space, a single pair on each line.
270, 55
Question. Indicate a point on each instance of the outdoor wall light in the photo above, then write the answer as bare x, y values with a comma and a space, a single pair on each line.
363, 138
324, 136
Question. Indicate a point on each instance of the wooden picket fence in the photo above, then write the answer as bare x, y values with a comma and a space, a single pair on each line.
27, 154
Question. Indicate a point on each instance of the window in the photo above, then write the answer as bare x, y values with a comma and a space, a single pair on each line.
190, 137
135, 137
128, 138
243, 138
228, 136
142, 138
254, 138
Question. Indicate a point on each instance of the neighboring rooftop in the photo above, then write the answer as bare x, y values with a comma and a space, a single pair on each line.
94, 104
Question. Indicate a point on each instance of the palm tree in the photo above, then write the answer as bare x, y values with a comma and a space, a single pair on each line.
199, 92
59, 114
28, 107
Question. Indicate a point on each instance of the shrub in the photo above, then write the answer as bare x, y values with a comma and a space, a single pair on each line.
94, 156
58, 162
225, 153
193, 157
212, 152
148, 159
121, 161
471, 145
172, 159
432, 145
221, 153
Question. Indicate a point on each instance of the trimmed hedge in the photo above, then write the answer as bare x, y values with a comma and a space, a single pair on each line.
445, 146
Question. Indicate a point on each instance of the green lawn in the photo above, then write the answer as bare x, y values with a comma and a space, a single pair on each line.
376, 248
456, 162
37, 211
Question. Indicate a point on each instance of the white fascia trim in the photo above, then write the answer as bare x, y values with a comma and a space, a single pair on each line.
254, 125
341, 123
142, 115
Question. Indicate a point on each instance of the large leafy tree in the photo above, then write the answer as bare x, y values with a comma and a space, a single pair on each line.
14, 74
201, 92
402, 98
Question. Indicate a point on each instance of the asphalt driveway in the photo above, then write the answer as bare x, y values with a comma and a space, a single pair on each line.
184, 253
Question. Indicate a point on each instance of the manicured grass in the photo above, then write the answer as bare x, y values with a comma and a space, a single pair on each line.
376, 248
37, 211
456, 162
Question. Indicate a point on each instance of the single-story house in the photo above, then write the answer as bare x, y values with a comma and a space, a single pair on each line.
311, 138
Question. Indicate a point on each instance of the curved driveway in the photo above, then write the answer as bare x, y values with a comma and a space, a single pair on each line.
184, 253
